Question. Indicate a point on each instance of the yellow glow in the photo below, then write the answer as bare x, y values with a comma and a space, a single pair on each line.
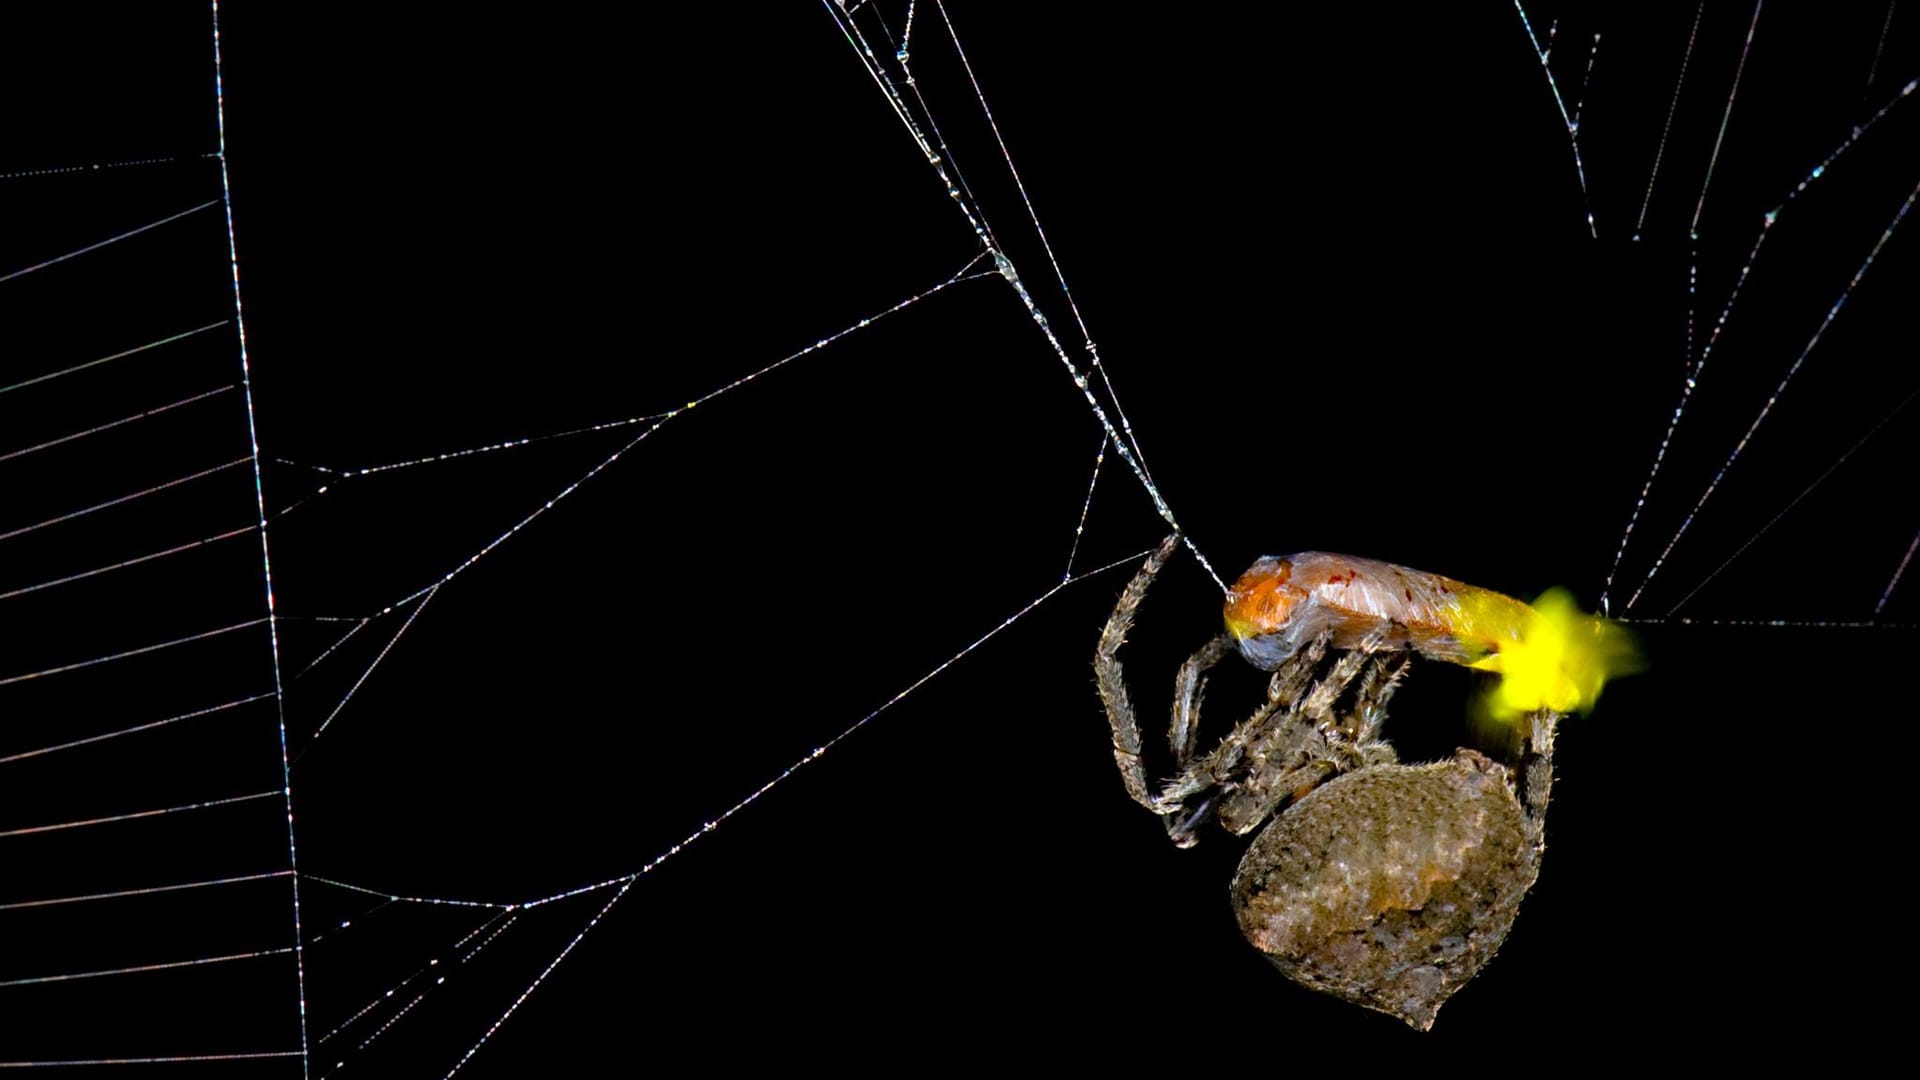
1560, 660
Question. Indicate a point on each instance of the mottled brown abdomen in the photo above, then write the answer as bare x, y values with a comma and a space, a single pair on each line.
1390, 887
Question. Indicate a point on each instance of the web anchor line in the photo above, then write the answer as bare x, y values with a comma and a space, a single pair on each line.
1080, 529
1880, 49
1796, 501
1887, 593
398, 898
976, 220
266, 558
435, 964
1119, 445
1673, 106
508, 915
358, 626
538, 979
1774, 624
349, 923
1697, 369
1586, 80
451, 455
660, 420
1573, 127
1033, 215
1773, 398
627, 882
388, 994
357, 683
804, 760
901, 54
341, 475
1699, 207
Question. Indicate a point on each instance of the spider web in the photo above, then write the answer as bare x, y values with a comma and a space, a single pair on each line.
492, 278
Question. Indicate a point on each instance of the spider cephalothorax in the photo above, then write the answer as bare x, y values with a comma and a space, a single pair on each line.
1384, 884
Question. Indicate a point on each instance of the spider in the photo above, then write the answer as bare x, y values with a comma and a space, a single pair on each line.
1386, 885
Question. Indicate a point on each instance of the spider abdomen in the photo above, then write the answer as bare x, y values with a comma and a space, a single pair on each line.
1390, 886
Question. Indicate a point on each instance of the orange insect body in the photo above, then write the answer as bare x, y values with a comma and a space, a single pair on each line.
1279, 605
1548, 654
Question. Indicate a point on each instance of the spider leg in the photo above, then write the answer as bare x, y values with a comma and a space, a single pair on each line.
1188, 687
1294, 677
1357, 734
1536, 773
1317, 706
1273, 782
1110, 678
1376, 689
1248, 747
1312, 745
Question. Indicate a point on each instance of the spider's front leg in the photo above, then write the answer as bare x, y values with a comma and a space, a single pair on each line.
1271, 735
1110, 678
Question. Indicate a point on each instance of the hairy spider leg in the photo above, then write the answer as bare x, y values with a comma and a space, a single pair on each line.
1259, 732
1188, 687
1310, 743
1536, 773
1110, 679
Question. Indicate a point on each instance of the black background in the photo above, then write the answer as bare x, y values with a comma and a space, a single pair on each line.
1341, 278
